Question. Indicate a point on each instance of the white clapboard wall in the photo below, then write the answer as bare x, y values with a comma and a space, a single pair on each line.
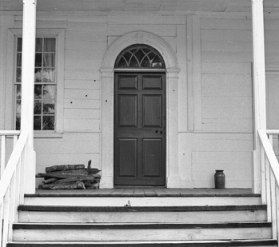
214, 55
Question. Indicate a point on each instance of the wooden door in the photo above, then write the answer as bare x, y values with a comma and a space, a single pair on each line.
139, 129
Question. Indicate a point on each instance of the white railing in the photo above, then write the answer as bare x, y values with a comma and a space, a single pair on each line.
12, 182
270, 179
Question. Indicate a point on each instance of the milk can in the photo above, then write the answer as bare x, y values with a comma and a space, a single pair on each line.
219, 179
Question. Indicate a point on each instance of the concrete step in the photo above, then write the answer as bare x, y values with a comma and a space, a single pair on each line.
138, 231
185, 214
224, 243
104, 200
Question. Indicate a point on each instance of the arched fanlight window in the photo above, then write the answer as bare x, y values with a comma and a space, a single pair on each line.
140, 56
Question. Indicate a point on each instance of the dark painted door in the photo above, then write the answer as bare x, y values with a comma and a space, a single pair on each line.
139, 129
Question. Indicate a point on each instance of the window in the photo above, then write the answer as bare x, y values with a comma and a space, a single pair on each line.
55, 88
140, 56
45, 84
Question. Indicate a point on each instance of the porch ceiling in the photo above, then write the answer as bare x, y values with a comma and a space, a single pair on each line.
141, 5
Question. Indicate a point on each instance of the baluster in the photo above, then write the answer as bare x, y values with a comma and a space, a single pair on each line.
1, 220
15, 140
277, 209
268, 196
6, 216
17, 188
3, 154
23, 159
263, 176
13, 206
273, 206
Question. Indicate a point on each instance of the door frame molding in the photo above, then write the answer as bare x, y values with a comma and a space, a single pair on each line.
173, 179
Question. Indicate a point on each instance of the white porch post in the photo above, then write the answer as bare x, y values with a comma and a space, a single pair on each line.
27, 103
259, 86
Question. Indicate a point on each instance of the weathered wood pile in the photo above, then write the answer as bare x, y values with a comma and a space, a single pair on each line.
70, 177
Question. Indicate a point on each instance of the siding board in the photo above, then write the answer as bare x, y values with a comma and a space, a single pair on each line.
75, 35
87, 27
81, 114
227, 35
161, 30
227, 125
145, 19
227, 68
81, 94
227, 46
79, 74
226, 24
229, 102
227, 113
227, 57
76, 103
82, 125
56, 147
93, 84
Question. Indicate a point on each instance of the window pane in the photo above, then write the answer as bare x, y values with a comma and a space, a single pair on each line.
18, 107
18, 60
19, 44
18, 91
38, 75
48, 107
37, 123
49, 45
37, 107
49, 92
145, 63
38, 60
48, 123
48, 75
122, 63
17, 122
38, 92
134, 62
49, 60
39, 44
18, 75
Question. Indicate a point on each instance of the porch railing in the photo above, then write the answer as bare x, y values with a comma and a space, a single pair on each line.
270, 179
11, 182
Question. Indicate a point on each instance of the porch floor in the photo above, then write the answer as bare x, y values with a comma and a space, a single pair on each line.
144, 192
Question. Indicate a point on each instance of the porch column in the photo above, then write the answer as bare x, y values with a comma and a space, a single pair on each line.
27, 102
259, 87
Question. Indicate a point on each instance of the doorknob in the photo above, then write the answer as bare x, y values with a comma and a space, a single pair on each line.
161, 132
156, 131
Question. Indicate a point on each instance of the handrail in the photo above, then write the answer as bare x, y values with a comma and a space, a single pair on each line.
11, 165
9, 132
270, 179
12, 185
270, 153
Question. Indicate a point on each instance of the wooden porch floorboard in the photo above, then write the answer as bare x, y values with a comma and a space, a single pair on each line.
147, 192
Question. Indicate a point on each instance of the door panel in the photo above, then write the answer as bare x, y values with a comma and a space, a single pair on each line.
152, 82
152, 158
128, 110
127, 157
139, 129
128, 82
152, 114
